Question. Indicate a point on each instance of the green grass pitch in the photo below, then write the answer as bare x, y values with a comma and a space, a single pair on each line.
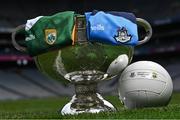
47, 109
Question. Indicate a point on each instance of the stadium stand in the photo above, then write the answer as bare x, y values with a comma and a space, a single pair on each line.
46, 83
7, 94
174, 71
21, 86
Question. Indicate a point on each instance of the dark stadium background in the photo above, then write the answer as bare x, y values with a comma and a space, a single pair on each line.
19, 77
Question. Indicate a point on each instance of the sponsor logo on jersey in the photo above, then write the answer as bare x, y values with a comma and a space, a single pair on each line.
30, 37
97, 27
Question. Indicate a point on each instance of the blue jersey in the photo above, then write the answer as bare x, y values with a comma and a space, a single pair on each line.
115, 28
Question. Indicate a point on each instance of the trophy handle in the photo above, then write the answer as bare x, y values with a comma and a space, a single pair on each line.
147, 28
140, 22
13, 36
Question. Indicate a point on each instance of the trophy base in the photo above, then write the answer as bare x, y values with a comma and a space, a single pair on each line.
86, 98
95, 106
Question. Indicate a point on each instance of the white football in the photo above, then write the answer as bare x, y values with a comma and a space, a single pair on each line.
118, 64
145, 84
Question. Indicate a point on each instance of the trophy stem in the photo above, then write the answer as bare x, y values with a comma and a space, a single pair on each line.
86, 100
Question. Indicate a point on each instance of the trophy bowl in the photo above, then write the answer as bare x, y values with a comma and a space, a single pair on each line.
85, 64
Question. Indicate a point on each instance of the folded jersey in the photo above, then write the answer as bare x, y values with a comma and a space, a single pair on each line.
115, 28
45, 33
49, 32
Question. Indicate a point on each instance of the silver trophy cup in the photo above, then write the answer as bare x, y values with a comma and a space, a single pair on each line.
85, 64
